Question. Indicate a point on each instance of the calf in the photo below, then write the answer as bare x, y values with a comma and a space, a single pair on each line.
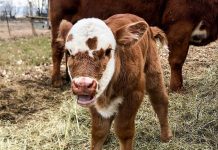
110, 65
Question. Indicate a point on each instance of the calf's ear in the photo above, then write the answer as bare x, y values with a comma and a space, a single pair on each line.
160, 39
159, 34
64, 28
129, 34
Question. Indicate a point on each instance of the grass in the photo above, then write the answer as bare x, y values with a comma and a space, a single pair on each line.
30, 51
35, 116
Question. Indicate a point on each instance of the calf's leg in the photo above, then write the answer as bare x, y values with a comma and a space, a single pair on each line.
157, 93
159, 101
100, 129
125, 120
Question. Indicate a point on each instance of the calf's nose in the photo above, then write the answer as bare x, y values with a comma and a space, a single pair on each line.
83, 85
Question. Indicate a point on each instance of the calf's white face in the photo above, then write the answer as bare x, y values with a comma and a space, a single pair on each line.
92, 47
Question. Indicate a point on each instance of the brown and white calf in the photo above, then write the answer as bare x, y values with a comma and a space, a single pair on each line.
111, 64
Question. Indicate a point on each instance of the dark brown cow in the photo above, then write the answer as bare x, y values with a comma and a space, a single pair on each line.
110, 64
184, 21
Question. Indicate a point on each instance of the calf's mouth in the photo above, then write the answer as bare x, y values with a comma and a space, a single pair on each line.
85, 100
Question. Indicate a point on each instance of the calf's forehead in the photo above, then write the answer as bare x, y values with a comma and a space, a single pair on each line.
89, 34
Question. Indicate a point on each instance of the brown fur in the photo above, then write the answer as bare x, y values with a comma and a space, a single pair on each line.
138, 66
92, 43
177, 18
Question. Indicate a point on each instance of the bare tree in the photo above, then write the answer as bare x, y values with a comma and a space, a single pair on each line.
38, 11
8, 11
26, 11
31, 19
41, 7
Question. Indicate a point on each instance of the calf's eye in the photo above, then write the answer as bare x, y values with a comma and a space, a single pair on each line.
108, 52
67, 52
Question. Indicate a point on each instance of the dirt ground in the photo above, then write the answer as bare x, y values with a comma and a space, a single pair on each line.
25, 82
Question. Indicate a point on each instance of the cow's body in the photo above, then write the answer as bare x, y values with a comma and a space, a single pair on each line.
108, 74
184, 21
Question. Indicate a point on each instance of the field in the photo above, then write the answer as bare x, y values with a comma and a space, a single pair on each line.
35, 116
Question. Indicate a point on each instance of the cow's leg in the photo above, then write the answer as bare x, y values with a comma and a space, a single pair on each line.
157, 93
178, 35
57, 55
125, 120
100, 129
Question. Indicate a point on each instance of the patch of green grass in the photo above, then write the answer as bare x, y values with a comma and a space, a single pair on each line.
33, 51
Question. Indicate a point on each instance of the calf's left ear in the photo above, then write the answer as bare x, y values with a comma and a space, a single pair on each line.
130, 34
64, 28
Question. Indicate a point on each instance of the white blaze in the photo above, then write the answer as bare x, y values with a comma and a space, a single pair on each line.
90, 28
106, 76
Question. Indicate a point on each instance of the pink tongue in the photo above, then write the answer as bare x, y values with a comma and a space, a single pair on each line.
84, 99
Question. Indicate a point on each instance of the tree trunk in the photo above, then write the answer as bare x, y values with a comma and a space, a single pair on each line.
48, 21
8, 26
31, 19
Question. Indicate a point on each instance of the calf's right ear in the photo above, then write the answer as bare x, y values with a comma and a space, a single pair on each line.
64, 28
131, 33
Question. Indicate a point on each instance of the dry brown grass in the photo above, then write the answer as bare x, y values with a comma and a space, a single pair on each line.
35, 116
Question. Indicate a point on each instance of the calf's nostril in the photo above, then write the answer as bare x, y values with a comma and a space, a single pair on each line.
90, 85
94, 85
75, 84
